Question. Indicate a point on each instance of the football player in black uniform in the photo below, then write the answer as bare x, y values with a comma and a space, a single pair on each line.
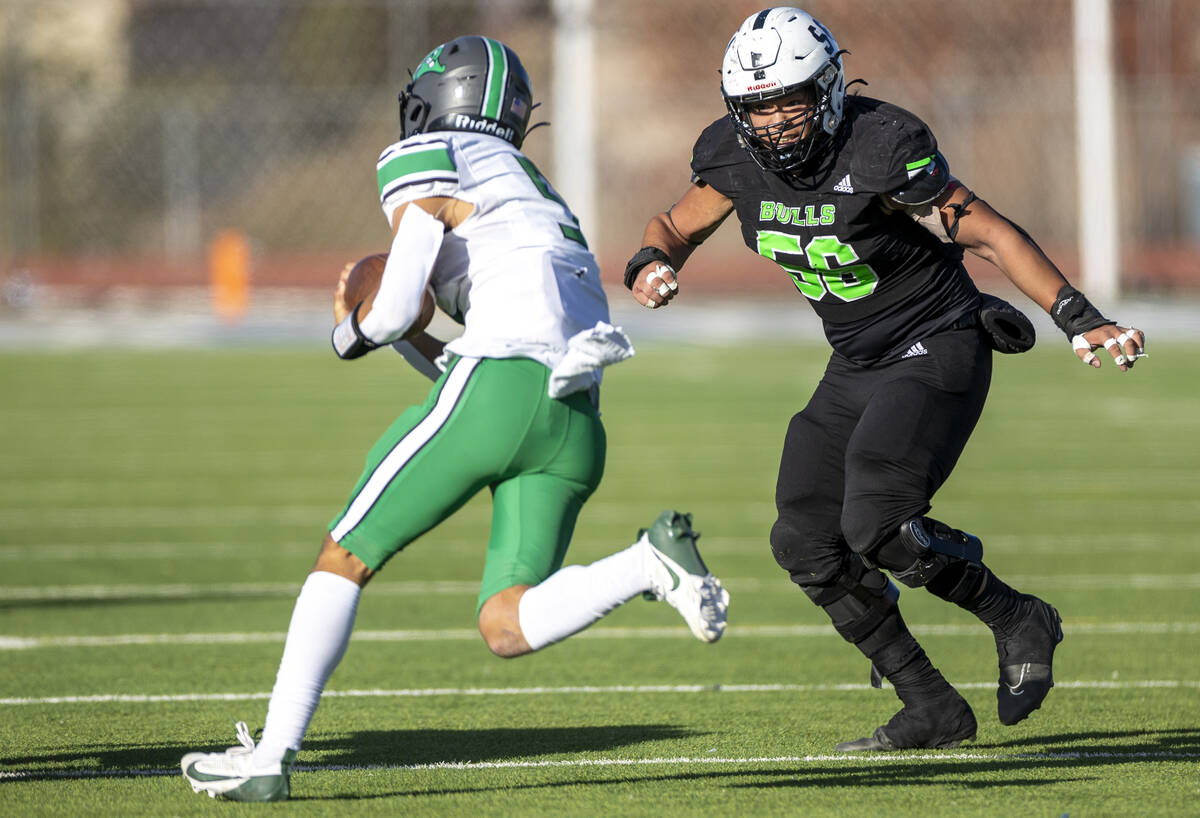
851, 197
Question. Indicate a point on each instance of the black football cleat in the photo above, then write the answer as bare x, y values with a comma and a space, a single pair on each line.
940, 723
1026, 652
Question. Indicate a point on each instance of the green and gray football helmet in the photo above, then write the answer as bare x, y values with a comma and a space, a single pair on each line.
473, 84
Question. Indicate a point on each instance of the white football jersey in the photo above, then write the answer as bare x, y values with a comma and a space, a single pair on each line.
517, 272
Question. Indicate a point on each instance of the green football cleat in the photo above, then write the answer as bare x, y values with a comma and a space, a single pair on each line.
678, 575
232, 774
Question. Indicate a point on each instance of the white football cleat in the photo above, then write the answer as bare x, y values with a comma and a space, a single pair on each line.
678, 575
232, 774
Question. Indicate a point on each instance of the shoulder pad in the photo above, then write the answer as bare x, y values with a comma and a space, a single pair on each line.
414, 162
927, 178
715, 153
885, 142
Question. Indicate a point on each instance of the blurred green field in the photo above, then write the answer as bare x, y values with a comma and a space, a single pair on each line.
158, 511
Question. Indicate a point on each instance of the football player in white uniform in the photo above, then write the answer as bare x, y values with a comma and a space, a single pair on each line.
513, 408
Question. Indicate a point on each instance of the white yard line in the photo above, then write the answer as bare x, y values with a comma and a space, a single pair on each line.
113, 517
576, 690
602, 632
739, 546
844, 758
66, 552
677, 761
175, 517
188, 590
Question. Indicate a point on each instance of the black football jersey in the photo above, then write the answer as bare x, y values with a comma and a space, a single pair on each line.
879, 280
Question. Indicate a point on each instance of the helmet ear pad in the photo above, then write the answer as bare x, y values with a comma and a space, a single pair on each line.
414, 112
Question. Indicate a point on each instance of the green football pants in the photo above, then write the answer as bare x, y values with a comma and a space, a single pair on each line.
487, 422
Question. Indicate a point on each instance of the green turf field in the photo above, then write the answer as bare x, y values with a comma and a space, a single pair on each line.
158, 511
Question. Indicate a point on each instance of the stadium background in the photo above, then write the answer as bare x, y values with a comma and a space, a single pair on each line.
138, 135
165, 474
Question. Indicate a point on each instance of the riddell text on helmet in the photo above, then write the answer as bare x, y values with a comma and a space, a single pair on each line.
463, 122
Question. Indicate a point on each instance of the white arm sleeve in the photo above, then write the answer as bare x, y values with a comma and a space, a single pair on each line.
405, 277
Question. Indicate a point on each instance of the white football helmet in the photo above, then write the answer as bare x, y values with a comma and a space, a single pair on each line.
778, 52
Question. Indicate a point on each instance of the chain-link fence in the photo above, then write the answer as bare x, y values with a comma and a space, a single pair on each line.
135, 131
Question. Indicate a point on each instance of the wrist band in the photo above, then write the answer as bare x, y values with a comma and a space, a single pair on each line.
348, 339
1074, 314
640, 259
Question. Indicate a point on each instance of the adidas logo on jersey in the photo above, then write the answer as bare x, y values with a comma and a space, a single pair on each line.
844, 186
915, 350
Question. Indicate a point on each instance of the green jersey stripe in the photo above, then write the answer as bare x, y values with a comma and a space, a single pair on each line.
497, 79
573, 233
432, 160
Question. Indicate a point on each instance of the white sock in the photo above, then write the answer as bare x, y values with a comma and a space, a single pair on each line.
574, 597
316, 641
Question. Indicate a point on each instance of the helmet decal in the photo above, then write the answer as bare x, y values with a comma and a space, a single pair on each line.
759, 50
497, 78
431, 63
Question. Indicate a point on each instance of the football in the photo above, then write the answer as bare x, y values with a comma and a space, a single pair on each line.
362, 283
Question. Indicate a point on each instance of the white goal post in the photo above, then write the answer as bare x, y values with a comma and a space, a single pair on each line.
1095, 138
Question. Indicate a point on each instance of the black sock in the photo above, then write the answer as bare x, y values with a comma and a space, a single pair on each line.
903, 663
996, 604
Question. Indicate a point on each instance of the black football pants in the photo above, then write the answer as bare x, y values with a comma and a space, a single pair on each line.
871, 448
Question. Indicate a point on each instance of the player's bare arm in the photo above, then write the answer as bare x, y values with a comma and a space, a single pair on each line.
429, 347
675, 232
981, 230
